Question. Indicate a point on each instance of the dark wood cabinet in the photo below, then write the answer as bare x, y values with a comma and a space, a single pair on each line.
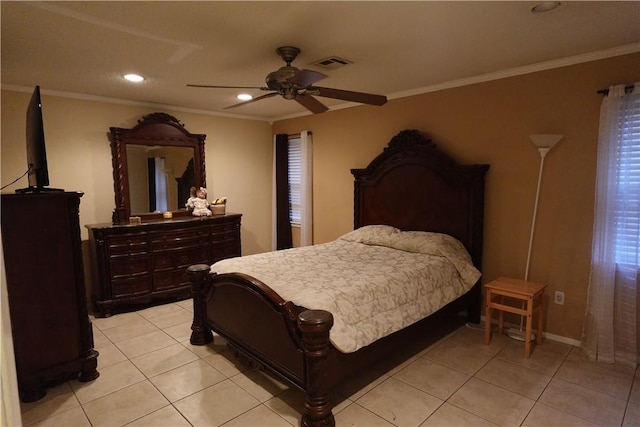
136, 264
52, 335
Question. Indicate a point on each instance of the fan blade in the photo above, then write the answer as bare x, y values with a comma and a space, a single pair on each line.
304, 78
311, 104
230, 87
347, 95
268, 95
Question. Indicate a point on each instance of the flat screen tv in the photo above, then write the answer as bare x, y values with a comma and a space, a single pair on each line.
38, 173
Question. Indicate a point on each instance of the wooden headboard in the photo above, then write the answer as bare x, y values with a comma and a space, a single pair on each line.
412, 185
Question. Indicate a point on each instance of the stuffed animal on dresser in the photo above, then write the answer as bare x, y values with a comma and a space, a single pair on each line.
199, 205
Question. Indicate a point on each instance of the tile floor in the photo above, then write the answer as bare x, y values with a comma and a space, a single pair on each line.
152, 376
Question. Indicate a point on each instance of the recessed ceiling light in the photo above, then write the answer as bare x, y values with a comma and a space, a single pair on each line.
244, 97
136, 78
545, 6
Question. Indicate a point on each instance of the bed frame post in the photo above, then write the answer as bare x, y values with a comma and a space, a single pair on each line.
200, 279
314, 326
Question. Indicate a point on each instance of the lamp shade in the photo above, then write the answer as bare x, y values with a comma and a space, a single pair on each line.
545, 140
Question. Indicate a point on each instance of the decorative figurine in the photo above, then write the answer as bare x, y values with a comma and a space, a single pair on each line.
199, 204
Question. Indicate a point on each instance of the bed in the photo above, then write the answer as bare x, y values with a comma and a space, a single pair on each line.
410, 192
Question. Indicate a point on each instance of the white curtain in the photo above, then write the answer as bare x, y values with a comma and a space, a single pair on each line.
274, 206
611, 323
306, 207
306, 192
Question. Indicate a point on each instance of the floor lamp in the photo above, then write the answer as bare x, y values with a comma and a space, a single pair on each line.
543, 143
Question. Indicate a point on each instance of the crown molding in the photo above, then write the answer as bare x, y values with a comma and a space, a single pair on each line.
517, 71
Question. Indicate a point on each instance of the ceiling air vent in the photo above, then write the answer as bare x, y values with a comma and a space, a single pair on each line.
332, 62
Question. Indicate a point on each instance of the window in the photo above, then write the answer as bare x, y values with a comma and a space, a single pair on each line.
611, 330
295, 180
292, 189
627, 166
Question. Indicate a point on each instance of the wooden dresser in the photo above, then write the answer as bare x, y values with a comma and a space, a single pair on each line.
137, 264
52, 335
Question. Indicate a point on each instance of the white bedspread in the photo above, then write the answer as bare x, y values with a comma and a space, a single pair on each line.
375, 280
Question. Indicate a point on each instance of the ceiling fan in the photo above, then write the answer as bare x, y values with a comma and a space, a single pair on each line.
292, 83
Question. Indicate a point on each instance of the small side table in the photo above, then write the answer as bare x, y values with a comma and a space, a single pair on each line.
529, 293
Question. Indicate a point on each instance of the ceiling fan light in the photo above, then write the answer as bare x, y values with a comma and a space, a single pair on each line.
135, 78
244, 97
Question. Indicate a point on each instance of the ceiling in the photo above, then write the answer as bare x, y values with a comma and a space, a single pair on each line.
82, 48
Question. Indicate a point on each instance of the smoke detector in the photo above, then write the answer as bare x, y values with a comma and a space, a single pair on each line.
545, 6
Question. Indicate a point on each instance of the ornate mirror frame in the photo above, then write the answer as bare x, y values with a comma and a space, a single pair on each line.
156, 129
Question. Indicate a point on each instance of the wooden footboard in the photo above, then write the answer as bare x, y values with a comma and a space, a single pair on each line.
293, 343
266, 332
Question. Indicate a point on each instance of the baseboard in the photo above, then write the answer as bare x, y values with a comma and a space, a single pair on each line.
560, 338
547, 335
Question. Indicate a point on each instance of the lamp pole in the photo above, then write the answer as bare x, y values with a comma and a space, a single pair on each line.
544, 144
543, 152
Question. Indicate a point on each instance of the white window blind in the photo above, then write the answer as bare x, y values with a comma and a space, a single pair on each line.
627, 209
295, 180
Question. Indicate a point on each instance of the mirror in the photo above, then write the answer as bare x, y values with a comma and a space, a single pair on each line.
154, 166
159, 177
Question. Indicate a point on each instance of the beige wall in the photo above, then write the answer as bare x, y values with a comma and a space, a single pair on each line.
238, 155
490, 123
482, 123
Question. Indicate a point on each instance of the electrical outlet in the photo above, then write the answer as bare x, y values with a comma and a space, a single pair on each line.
559, 298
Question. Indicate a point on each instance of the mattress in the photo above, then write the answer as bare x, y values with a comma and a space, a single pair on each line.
375, 280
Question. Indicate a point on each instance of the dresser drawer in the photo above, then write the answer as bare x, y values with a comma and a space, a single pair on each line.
122, 245
224, 250
163, 241
223, 232
128, 267
131, 287
170, 279
180, 260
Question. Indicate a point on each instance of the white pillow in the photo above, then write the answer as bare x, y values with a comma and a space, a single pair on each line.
371, 235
